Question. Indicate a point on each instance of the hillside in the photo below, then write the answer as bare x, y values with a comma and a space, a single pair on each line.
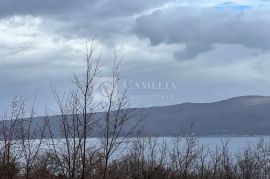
247, 115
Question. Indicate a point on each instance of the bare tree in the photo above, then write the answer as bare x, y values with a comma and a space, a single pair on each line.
119, 121
9, 127
85, 87
77, 119
27, 133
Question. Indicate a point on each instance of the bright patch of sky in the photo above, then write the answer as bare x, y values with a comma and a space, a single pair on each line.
233, 6
221, 4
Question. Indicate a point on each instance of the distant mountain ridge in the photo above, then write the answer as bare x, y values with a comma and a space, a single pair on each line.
246, 115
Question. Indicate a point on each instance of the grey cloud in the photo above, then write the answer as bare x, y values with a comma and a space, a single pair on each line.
39, 7
200, 28
123, 7
192, 50
93, 7
104, 19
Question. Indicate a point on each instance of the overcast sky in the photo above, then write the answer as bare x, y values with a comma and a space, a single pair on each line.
188, 51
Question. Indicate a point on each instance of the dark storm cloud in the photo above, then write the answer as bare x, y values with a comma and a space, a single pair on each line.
93, 7
38, 7
81, 18
43, 41
200, 28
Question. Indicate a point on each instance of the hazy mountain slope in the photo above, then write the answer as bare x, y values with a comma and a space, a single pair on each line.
248, 115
